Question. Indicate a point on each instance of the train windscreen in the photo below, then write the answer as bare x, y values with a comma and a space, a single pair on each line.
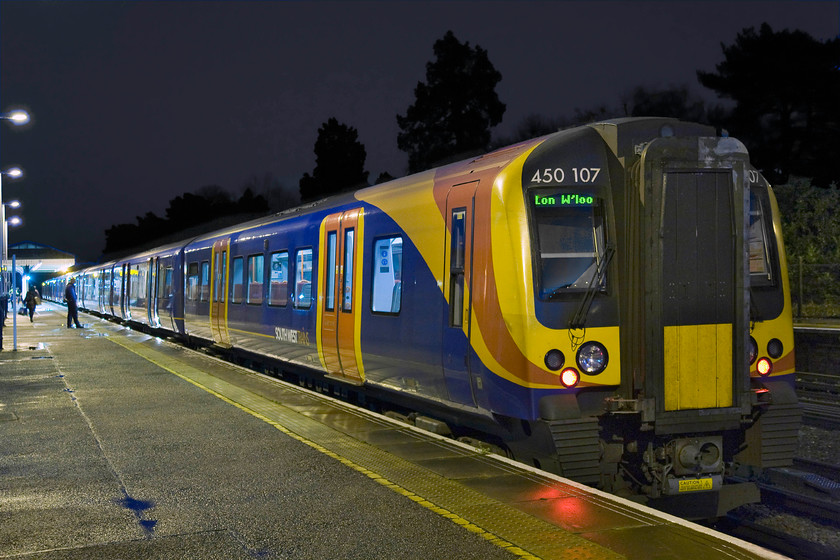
569, 231
761, 272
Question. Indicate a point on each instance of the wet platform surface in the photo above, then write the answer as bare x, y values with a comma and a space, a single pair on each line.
116, 444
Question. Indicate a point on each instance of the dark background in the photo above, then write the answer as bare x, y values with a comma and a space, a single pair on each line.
135, 103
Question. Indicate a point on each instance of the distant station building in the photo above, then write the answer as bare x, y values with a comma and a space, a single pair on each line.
35, 263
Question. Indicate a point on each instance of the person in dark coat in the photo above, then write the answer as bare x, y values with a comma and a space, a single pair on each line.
32, 299
72, 307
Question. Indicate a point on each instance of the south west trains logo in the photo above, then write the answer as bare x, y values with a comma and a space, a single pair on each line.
291, 336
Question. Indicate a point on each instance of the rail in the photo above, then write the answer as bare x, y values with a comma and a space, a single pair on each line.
819, 395
799, 511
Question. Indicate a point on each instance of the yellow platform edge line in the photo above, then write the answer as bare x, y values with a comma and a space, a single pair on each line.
457, 519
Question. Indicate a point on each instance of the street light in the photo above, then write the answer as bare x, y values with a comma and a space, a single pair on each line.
17, 117
12, 221
13, 173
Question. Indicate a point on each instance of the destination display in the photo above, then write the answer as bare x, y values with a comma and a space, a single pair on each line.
564, 200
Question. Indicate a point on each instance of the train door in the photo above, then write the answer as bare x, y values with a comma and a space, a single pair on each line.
457, 275
698, 286
116, 295
152, 291
340, 294
218, 292
105, 292
165, 298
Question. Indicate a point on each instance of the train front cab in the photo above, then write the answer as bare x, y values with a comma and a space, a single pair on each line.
772, 439
684, 253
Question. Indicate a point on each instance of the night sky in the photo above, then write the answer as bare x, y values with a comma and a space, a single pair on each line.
134, 103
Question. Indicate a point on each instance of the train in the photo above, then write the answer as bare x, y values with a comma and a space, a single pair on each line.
609, 302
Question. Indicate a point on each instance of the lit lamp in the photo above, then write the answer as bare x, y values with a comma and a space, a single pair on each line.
13, 173
12, 221
18, 117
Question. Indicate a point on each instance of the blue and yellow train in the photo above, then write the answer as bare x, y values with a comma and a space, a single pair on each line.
608, 302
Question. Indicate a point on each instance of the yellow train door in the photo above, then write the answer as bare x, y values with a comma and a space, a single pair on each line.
218, 292
339, 294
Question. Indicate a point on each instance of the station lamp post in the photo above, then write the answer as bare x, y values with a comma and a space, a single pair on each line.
17, 117
13, 173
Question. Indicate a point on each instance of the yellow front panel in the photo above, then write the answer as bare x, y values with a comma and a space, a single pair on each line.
698, 366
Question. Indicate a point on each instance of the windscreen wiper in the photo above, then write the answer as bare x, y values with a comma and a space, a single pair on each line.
558, 290
578, 321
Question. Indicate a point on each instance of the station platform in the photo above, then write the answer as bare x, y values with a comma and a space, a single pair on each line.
117, 444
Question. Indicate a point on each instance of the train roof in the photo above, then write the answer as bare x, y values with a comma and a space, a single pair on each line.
620, 135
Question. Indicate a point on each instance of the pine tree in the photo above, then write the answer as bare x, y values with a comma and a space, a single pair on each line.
339, 162
454, 109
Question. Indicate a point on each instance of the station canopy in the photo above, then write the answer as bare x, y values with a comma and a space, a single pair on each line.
41, 259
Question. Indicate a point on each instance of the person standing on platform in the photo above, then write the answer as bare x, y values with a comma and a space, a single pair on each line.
72, 308
4, 301
32, 299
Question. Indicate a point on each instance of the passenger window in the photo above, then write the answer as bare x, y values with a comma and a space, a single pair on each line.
205, 281
387, 275
330, 273
278, 288
192, 281
456, 267
135, 282
236, 289
303, 279
118, 286
219, 274
347, 301
140, 277
255, 279
166, 294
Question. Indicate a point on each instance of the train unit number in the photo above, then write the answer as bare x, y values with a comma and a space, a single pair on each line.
558, 175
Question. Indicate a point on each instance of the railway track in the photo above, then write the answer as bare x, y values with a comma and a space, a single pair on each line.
819, 394
799, 514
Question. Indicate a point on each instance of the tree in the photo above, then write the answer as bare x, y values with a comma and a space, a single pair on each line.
339, 162
455, 109
249, 203
121, 236
810, 221
184, 211
785, 85
384, 177
811, 226
278, 197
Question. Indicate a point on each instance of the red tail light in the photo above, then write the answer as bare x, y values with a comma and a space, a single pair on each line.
764, 366
569, 377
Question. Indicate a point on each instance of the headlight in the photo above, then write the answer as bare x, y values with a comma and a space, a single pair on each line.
753, 350
592, 358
